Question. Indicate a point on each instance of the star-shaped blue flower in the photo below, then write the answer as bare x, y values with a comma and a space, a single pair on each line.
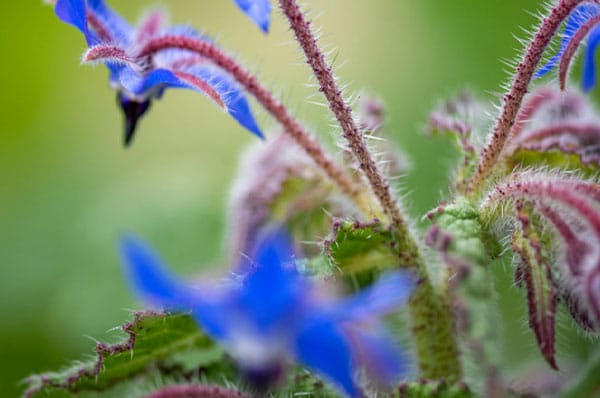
274, 314
142, 78
583, 22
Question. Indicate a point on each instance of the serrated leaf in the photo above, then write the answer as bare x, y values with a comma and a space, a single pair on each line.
361, 251
151, 338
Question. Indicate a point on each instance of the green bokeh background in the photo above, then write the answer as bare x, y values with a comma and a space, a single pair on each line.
68, 188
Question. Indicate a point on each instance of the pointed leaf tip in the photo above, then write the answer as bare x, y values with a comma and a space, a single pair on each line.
258, 10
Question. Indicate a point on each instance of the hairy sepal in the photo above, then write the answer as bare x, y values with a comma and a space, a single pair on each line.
278, 183
555, 125
535, 275
570, 206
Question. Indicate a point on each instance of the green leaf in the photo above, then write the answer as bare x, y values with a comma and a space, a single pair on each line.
587, 383
361, 251
152, 338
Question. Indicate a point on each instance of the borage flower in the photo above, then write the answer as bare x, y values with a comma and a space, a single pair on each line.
139, 78
583, 22
274, 315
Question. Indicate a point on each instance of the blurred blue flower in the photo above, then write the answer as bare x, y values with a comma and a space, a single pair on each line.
141, 78
583, 21
274, 314
258, 10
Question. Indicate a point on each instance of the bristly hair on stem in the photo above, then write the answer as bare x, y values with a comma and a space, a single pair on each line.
342, 111
433, 326
520, 84
272, 105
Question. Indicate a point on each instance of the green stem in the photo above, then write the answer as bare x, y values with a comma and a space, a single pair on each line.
433, 325
434, 333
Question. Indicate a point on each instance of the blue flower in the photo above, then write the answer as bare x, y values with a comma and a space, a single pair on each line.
258, 10
274, 314
141, 78
583, 21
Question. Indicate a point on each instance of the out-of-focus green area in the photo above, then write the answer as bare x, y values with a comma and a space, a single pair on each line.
69, 189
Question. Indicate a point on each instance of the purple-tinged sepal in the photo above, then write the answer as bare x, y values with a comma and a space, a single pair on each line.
258, 11
535, 274
551, 121
570, 206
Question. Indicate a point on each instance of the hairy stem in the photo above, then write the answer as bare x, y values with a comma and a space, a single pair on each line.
342, 112
274, 107
433, 326
434, 333
513, 99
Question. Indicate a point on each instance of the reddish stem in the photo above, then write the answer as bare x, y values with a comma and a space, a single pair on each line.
512, 100
195, 391
342, 111
269, 102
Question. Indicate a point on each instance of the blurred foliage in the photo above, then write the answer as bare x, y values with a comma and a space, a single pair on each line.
69, 188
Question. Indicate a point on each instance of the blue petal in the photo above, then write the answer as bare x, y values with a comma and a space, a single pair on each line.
588, 78
273, 294
323, 347
258, 10
72, 12
274, 248
388, 294
578, 17
216, 316
146, 86
117, 26
233, 97
149, 278
381, 357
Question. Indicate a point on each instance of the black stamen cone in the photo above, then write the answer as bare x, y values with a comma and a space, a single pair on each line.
133, 111
262, 379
